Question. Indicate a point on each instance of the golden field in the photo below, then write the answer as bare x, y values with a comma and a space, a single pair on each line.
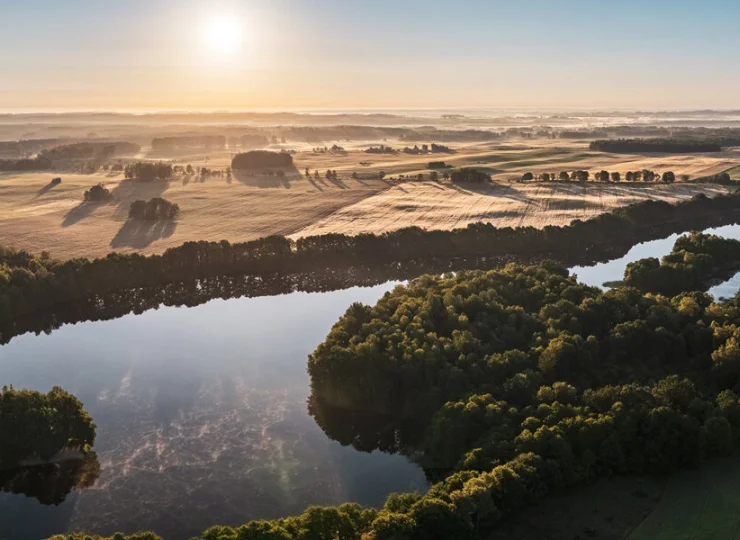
38, 217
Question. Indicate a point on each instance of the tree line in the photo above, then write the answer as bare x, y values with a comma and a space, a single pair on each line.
644, 175
30, 283
665, 145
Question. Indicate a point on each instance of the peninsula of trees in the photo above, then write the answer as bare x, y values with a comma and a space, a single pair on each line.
694, 259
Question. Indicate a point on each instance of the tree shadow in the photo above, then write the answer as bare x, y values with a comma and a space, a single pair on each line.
129, 190
314, 183
261, 179
80, 212
45, 189
139, 234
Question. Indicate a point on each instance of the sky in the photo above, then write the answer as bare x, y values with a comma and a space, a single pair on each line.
368, 54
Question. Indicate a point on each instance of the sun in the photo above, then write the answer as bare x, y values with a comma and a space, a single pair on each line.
223, 34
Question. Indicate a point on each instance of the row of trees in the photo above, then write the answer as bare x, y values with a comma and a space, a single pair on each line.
29, 283
644, 175
666, 145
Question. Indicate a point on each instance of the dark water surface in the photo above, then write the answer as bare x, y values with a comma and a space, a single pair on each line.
201, 416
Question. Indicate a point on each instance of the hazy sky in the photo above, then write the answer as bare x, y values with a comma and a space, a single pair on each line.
368, 54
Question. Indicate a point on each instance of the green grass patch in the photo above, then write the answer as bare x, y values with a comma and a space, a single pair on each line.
697, 505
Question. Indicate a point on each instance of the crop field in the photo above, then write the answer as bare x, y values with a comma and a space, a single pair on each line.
697, 505
434, 205
38, 216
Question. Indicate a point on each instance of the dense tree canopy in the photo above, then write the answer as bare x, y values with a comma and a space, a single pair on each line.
470, 175
36, 425
259, 159
155, 209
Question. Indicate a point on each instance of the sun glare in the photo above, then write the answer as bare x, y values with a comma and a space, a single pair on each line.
223, 34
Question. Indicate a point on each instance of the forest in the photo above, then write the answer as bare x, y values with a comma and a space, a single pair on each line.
29, 283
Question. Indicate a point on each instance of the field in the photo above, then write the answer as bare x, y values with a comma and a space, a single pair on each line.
434, 205
37, 216
697, 505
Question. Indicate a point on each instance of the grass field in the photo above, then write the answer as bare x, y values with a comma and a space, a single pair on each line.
697, 505
435, 205
37, 216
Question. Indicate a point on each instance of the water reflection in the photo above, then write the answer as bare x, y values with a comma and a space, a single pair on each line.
598, 274
202, 413
201, 418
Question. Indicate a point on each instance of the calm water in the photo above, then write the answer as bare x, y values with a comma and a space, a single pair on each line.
613, 270
201, 413
201, 416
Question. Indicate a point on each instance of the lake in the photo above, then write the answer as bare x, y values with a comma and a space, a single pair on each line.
202, 415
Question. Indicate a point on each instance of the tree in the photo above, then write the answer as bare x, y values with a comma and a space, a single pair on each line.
602, 176
433, 176
616, 177
527, 176
668, 177
564, 176
381, 175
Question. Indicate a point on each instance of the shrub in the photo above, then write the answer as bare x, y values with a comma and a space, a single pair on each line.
98, 193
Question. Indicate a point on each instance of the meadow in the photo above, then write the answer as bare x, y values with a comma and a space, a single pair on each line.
39, 216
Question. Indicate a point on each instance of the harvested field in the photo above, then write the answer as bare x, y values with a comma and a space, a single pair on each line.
433, 205
39, 217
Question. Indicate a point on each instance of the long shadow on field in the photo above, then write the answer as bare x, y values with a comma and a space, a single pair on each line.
129, 190
45, 189
80, 212
139, 234
266, 178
